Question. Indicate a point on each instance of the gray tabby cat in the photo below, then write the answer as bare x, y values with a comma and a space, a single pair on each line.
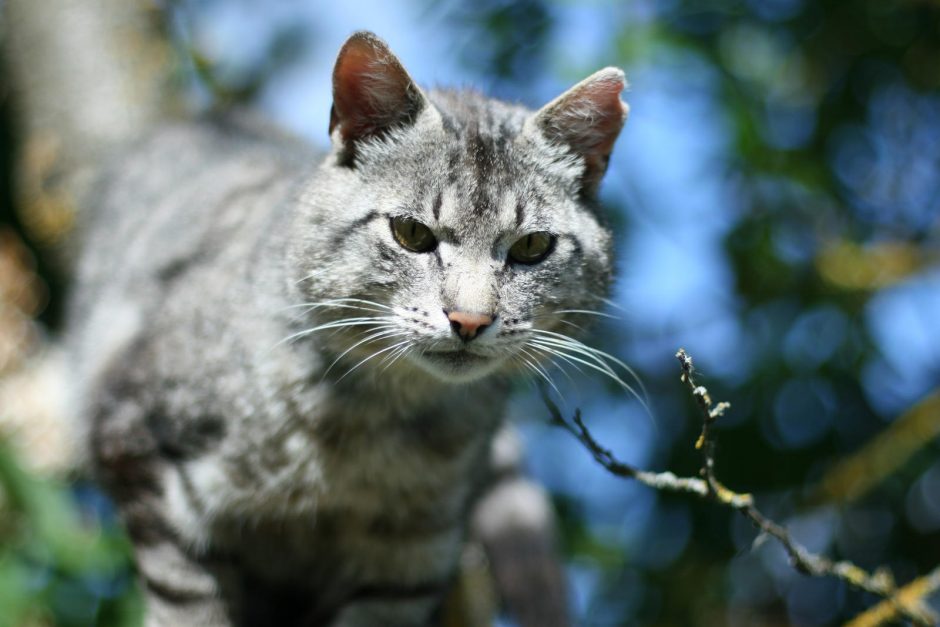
293, 373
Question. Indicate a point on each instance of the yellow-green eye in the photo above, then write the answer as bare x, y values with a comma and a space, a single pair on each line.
413, 235
532, 248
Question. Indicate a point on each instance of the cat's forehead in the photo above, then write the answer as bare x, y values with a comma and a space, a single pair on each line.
484, 189
467, 113
486, 179
478, 138
469, 170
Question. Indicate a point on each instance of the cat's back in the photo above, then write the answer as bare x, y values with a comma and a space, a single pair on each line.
184, 220
186, 193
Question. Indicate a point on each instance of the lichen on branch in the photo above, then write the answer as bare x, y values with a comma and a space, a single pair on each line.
907, 602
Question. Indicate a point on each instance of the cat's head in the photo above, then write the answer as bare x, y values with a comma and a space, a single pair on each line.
453, 232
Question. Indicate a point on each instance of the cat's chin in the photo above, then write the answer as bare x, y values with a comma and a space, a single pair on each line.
457, 366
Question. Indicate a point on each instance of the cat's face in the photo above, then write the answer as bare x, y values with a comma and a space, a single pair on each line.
461, 238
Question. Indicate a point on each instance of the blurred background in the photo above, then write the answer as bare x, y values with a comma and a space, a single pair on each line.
776, 199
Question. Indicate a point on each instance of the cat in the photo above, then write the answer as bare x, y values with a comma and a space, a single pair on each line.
293, 368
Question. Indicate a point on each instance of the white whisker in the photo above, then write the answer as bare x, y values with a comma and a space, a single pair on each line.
396, 355
561, 312
533, 364
336, 324
557, 365
596, 363
312, 275
550, 342
606, 371
584, 312
588, 312
343, 303
597, 352
572, 324
612, 303
592, 358
373, 355
379, 333
531, 373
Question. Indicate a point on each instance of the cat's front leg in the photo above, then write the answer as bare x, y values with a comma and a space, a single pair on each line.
515, 524
180, 590
182, 586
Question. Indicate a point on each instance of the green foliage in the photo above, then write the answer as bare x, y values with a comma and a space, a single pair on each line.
829, 125
59, 562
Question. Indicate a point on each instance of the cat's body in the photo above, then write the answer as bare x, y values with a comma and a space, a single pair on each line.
295, 410
294, 472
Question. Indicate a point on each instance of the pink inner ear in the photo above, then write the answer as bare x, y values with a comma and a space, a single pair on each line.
589, 118
371, 90
604, 96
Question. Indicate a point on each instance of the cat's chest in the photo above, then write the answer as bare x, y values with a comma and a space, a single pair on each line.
349, 490
361, 456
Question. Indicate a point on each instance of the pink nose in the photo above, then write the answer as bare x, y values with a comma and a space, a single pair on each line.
468, 325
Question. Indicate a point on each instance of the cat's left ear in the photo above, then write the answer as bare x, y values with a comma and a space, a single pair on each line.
587, 120
372, 92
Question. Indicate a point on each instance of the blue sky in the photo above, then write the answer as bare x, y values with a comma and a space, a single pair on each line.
670, 172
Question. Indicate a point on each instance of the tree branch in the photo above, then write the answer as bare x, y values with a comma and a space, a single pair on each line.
907, 602
912, 594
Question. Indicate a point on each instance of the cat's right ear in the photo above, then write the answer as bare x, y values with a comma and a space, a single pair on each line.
372, 92
587, 120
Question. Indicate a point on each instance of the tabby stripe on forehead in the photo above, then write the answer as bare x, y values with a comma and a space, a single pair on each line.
356, 224
369, 217
520, 213
436, 207
484, 161
453, 167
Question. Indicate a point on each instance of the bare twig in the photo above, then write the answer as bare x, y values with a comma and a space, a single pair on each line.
906, 603
657, 480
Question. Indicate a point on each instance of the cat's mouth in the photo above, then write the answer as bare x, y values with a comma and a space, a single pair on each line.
457, 365
456, 357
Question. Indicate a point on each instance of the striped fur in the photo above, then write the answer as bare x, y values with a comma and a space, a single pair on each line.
273, 392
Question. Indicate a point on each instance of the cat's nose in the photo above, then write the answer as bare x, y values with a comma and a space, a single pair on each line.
468, 325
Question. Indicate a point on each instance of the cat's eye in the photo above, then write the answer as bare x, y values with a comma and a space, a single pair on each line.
413, 235
532, 248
